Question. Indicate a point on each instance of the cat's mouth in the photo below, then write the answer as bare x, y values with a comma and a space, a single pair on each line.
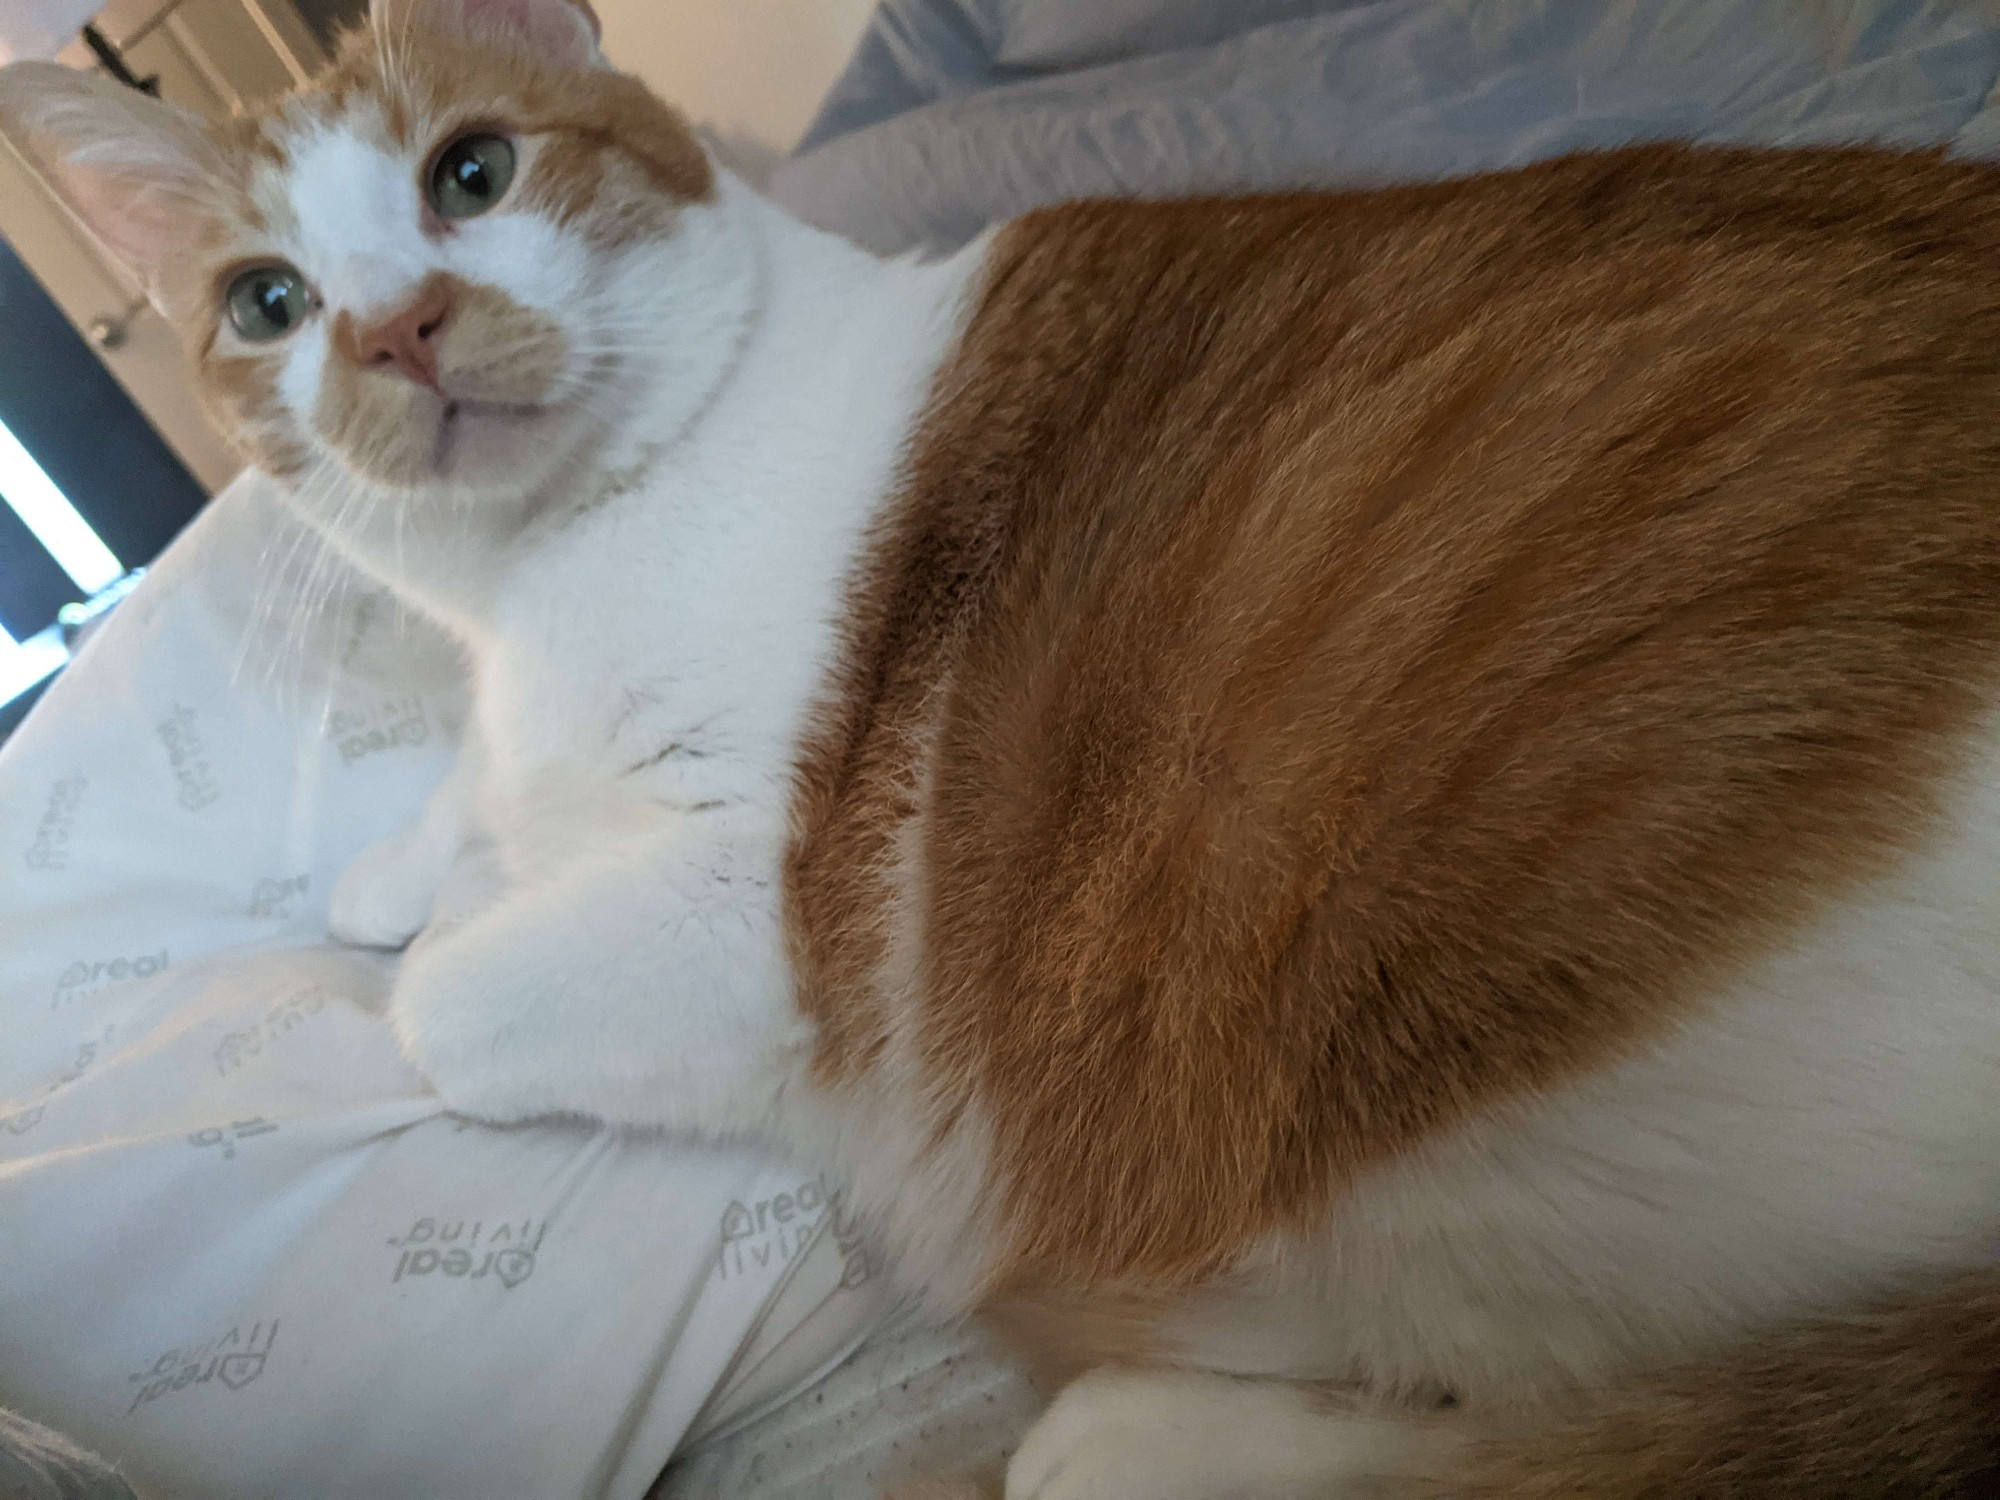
463, 422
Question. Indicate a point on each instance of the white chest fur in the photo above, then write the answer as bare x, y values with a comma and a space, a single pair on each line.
688, 619
647, 653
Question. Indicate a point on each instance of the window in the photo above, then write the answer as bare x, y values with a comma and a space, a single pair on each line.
90, 490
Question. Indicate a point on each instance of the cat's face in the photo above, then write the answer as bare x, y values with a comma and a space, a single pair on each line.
436, 269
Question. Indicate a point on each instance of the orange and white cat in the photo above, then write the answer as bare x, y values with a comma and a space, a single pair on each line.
1372, 820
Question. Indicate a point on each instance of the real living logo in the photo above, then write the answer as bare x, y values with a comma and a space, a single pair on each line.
462, 1250
229, 1137
774, 1231
360, 622
86, 976
273, 897
233, 1360
393, 724
187, 757
50, 848
238, 1047
21, 1121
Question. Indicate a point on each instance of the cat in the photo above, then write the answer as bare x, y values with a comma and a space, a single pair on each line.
1369, 820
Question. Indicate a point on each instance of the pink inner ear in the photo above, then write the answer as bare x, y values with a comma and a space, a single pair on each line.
143, 223
565, 28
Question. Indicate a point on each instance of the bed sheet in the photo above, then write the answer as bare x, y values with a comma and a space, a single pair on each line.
243, 1252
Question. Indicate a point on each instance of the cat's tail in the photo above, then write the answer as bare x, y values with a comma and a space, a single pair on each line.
1901, 1400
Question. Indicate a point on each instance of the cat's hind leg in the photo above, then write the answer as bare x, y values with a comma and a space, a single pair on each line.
384, 898
1897, 1397
1161, 1434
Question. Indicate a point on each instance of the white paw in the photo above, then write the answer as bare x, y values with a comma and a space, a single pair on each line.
1117, 1435
1181, 1435
474, 884
512, 1018
383, 899
476, 1033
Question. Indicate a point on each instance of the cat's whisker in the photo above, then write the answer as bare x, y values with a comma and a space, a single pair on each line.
307, 598
278, 569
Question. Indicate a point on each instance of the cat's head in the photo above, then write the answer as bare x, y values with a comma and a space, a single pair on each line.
440, 268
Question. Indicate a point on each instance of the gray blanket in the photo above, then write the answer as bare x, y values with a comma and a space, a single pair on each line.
956, 114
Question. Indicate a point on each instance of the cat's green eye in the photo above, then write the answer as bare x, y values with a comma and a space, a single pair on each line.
471, 175
267, 302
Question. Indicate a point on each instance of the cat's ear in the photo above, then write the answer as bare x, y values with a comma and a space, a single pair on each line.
143, 175
560, 31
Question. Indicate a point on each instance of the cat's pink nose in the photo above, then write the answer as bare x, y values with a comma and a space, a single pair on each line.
407, 341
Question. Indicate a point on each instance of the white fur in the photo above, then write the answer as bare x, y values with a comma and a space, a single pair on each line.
388, 895
355, 229
649, 633
649, 613
1181, 1435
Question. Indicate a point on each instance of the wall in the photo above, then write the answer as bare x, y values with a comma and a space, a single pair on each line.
749, 68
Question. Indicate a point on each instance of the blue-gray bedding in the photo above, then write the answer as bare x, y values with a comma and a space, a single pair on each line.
958, 113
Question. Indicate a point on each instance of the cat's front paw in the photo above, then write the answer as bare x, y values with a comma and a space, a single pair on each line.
383, 899
479, 1034
644, 986
511, 1022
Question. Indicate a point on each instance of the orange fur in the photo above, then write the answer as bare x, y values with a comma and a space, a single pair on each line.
1388, 653
1898, 1399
